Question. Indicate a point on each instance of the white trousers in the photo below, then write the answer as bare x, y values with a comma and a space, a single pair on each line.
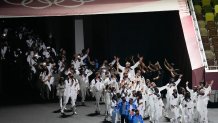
97, 97
175, 111
61, 101
66, 100
188, 116
83, 93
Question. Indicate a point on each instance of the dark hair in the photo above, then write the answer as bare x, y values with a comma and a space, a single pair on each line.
114, 97
156, 90
118, 95
187, 97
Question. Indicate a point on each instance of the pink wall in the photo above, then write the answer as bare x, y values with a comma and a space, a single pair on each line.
197, 76
212, 76
193, 49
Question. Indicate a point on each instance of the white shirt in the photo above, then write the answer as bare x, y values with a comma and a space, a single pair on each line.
131, 73
78, 63
96, 85
174, 101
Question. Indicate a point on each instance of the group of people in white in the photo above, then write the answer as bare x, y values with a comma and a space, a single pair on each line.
130, 93
132, 97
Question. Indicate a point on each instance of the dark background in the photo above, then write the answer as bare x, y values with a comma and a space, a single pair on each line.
155, 36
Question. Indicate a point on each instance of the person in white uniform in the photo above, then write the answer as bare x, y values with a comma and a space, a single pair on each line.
108, 97
207, 91
170, 87
130, 69
158, 105
83, 82
71, 91
97, 88
78, 60
201, 106
114, 83
45, 76
174, 103
194, 96
187, 105
60, 91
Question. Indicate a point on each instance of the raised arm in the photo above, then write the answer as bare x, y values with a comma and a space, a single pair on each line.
187, 88
211, 83
137, 63
86, 55
158, 64
166, 66
89, 73
162, 88
132, 59
179, 80
113, 62
119, 66
150, 67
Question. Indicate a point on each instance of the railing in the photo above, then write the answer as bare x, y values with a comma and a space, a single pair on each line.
198, 35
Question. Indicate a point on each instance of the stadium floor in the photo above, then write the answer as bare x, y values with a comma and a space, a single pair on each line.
48, 113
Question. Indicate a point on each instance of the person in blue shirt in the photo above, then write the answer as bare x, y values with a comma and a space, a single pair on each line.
130, 115
131, 110
123, 109
137, 118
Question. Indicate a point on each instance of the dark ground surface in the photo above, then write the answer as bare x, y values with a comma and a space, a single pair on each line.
48, 113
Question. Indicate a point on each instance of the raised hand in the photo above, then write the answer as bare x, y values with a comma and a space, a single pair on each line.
118, 59
138, 55
132, 57
140, 59
212, 81
87, 51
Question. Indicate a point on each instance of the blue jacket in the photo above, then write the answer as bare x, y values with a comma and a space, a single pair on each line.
137, 119
120, 107
130, 118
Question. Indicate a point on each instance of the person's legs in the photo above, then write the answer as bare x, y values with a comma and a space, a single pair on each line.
122, 118
66, 99
106, 111
126, 119
87, 92
97, 97
61, 101
73, 104
167, 108
206, 115
83, 94
190, 118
